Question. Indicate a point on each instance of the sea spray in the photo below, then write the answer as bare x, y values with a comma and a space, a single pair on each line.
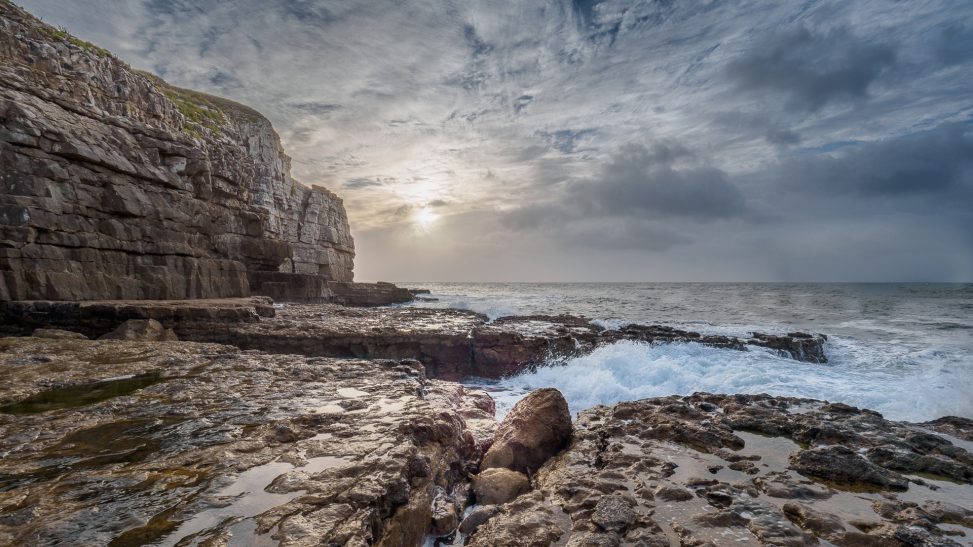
924, 388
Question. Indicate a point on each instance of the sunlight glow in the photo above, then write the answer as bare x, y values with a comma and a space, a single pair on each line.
424, 218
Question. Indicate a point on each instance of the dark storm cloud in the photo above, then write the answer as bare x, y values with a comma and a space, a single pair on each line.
812, 68
632, 200
642, 180
621, 234
561, 224
954, 45
937, 162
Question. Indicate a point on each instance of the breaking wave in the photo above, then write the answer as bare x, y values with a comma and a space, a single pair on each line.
917, 387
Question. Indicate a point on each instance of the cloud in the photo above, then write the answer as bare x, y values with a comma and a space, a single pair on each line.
567, 141
763, 129
315, 107
633, 200
812, 69
361, 183
954, 45
642, 180
937, 162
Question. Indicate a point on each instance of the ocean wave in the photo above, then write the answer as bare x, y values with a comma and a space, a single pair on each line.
922, 386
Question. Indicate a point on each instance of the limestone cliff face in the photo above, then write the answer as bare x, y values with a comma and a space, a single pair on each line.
116, 185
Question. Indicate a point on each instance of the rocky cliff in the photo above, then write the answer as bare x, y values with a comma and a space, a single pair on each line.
116, 185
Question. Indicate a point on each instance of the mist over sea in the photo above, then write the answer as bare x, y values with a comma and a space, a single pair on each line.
905, 350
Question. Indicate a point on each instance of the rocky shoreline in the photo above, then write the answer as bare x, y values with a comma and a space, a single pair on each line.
451, 344
186, 360
269, 440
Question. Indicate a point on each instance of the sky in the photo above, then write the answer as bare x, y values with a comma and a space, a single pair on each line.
587, 140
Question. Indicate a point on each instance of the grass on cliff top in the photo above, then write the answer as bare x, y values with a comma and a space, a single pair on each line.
196, 108
203, 109
61, 34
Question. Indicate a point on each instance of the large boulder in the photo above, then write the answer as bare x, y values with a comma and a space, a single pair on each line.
498, 485
143, 330
538, 427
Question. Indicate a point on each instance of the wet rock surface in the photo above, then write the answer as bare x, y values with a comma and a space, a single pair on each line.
452, 344
730, 470
960, 428
127, 443
97, 318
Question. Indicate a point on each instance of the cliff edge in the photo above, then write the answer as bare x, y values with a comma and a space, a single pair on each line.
116, 185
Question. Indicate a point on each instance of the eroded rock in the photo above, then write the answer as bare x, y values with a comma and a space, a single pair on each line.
843, 465
537, 427
477, 517
58, 334
658, 472
144, 330
120, 186
499, 485
173, 456
452, 344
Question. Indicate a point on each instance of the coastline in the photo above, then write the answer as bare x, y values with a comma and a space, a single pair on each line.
302, 436
185, 359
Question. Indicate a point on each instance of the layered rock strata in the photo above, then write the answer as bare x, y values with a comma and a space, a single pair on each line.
97, 318
741, 470
116, 185
132, 443
455, 344
452, 344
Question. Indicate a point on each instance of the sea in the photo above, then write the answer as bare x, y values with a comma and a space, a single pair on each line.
905, 350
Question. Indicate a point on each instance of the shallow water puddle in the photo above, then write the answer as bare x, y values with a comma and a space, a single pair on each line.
83, 394
119, 442
965, 445
247, 497
850, 506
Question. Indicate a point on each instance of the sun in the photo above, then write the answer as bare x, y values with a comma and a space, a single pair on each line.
424, 219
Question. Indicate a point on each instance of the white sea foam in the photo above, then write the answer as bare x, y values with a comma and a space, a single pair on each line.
903, 350
491, 307
920, 387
